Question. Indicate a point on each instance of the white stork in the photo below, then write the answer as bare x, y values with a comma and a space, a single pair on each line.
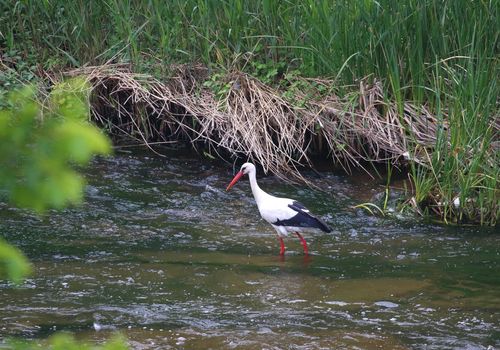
283, 214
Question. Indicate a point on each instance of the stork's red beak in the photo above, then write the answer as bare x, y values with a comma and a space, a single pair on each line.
235, 180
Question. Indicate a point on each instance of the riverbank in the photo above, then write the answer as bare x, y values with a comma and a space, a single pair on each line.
406, 84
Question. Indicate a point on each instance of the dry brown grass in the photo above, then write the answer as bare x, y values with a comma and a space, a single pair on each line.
255, 122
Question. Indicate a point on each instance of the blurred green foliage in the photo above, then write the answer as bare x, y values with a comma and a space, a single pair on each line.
40, 145
62, 341
13, 263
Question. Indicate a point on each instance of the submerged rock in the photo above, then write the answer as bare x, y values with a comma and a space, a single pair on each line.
386, 304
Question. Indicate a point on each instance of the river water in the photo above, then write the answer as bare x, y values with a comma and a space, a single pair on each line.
162, 254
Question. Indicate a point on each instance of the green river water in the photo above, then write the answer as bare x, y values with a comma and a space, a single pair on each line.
161, 253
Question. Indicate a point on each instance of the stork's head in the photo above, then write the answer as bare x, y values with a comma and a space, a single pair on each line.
246, 168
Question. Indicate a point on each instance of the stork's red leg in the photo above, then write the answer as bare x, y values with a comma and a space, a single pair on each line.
282, 246
304, 244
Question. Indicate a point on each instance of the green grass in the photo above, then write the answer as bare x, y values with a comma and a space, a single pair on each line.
442, 54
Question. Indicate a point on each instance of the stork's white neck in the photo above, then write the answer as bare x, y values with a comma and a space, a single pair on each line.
258, 193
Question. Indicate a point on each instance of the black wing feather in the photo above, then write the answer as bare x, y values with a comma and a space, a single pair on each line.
303, 218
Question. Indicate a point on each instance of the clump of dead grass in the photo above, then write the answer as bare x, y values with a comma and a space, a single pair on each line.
254, 121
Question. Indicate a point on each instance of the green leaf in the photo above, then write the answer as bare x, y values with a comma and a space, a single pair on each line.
13, 264
79, 141
65, 341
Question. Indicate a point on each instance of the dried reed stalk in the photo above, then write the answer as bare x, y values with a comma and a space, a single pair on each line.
255, 122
